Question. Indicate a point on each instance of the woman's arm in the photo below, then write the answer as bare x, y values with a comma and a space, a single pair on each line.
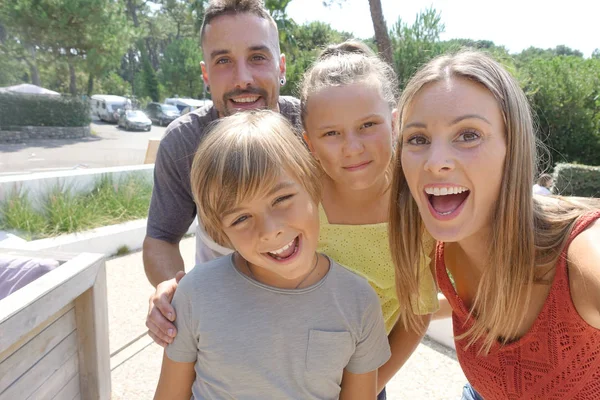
403, 343
176, 379
584, 274
359, 386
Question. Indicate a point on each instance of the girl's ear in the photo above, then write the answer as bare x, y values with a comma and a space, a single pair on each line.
309, 144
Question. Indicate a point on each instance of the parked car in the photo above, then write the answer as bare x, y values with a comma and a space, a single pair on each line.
135, 120
106, 107
182, 103
162, 114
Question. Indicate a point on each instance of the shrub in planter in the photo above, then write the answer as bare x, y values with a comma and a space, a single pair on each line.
35, 110
577, 180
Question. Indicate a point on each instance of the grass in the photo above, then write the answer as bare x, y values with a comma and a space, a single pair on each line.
108, 203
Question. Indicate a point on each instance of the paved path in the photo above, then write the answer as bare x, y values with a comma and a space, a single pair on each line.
431, 373
109, 147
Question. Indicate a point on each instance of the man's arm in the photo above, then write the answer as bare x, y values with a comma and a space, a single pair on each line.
358, 386
162, 260
403, 343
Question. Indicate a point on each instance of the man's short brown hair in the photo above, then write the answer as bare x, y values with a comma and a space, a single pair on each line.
217, 8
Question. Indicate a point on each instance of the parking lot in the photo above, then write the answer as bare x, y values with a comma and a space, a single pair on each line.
109, 146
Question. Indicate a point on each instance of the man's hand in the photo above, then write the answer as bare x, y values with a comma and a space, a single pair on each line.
160, 312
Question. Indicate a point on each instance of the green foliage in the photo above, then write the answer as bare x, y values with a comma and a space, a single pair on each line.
149, 77
414, 45
32, 110
577, 180
565, 95
109, 203
180, 69
113, 83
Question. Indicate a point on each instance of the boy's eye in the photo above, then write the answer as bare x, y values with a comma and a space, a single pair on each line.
283, 198
239, 220
417, 140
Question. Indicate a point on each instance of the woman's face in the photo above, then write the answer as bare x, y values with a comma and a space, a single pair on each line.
453, 151
349, 131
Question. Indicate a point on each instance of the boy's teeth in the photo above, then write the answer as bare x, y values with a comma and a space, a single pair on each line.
436, 191
284, 248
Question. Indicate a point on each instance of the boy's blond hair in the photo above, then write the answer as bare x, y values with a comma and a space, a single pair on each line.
241, 157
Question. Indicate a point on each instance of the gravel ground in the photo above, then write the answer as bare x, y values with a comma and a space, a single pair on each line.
431, 373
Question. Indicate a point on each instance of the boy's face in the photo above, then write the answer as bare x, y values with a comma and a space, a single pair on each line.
277, 231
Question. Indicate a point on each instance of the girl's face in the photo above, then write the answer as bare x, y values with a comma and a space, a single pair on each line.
453, 151
349, 131
277, 230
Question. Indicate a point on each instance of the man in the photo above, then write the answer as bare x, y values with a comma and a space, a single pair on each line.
243, 69
543, 185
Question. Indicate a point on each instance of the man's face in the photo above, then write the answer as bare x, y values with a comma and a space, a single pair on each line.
241, 63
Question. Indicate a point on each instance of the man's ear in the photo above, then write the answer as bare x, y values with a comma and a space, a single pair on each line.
309, 144
282, 66
204, 73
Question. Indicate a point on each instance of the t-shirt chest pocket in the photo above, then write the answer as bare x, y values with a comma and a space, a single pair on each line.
328, 352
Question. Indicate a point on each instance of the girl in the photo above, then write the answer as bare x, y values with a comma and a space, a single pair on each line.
525, 293
275, 319
347, 100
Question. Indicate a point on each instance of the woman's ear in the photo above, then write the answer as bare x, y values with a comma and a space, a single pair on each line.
309, 144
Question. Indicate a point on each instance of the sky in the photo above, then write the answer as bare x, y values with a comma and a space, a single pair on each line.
515, 24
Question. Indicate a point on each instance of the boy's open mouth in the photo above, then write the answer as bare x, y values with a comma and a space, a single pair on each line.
286, 251
446, 200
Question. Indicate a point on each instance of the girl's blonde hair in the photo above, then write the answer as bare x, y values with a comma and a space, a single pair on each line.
241, 157
528, 235
345, 64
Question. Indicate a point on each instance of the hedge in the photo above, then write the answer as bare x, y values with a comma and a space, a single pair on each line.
35, 110
577, 180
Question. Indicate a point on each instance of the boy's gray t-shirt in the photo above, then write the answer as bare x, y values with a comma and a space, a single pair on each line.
252, 341
172, 207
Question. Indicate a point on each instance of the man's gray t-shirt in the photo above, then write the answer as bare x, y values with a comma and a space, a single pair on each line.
252, 341
172, 208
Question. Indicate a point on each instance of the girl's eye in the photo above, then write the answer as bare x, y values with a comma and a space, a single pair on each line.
283, 198
239, 220
469, 136
330, 133
417, 140
368, 124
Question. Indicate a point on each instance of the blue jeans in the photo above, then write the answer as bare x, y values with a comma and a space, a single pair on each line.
382, 396
469, 393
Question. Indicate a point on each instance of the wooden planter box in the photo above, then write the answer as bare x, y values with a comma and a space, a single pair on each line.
54, 333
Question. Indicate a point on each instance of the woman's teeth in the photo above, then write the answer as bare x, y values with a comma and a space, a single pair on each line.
437, 191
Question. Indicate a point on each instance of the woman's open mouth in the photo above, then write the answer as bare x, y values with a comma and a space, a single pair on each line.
446, 202
286, 252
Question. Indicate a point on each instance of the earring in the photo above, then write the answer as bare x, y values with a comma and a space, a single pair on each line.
282, 81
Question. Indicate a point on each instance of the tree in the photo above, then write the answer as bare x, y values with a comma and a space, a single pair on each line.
180, 68
382, 37
416, 44
69, 29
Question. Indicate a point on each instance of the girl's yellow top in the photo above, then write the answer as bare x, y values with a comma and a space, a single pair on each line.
365, 250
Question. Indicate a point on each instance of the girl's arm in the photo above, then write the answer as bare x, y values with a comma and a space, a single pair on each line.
176, 379
403, 343
359, 386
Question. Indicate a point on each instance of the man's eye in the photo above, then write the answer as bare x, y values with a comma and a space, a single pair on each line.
222, 61
258, 58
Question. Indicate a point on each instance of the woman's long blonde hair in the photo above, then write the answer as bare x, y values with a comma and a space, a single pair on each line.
528, 234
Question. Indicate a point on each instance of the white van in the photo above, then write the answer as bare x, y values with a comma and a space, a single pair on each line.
183, 103
107, 106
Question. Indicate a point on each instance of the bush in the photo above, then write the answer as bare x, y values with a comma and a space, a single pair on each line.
577, 180
35, 110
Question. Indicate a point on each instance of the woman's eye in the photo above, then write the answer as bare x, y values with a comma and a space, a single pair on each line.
417, 140
283, 198
469, 136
